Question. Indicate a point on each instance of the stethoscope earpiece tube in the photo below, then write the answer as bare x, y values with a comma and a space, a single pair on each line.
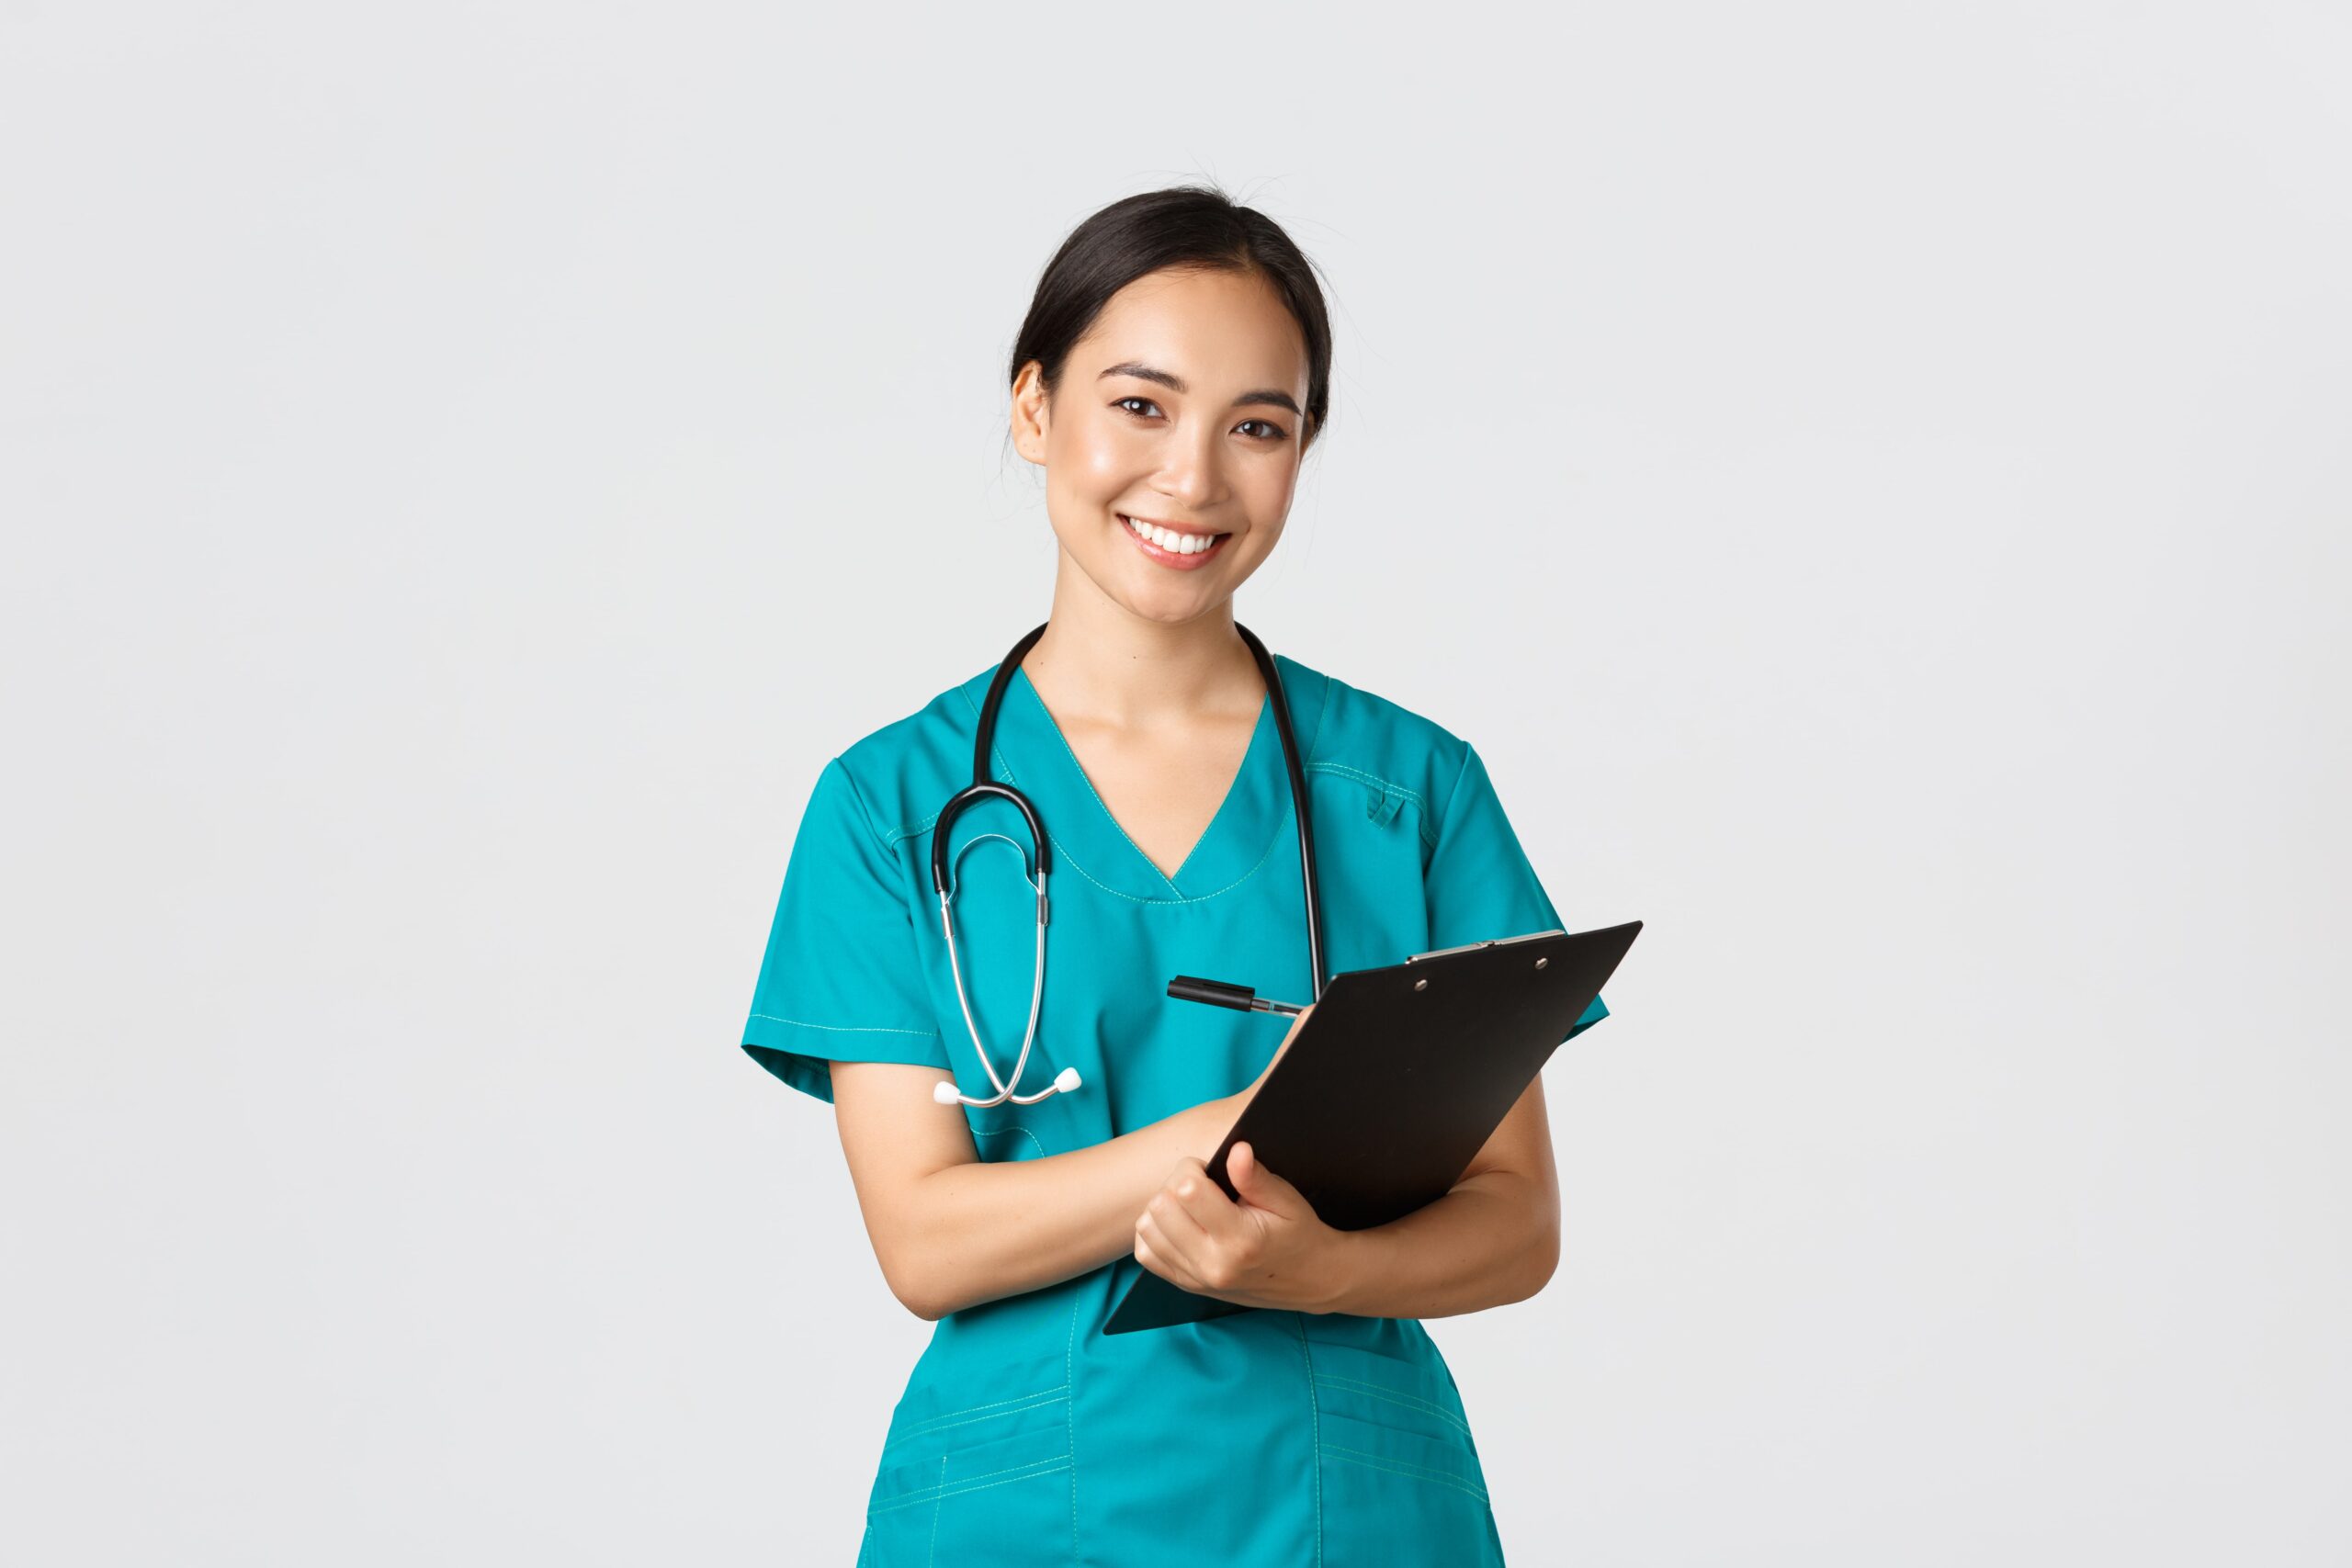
983, 787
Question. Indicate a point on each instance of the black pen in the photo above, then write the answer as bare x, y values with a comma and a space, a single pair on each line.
1189, 989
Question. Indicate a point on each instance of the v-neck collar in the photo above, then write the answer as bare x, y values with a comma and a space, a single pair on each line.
1252, 820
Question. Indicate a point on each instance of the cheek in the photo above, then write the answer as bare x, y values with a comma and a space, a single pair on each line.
1097, 461
1269, 487
1264, 494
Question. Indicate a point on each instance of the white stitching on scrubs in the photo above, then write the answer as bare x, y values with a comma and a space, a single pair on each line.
1406, 1400
891, 839
1315, 1413
937, 1503
1012, 1127
840, 1028
1398, 1467
931, 1428
968, 1409
1358, 775
1097, 794
1422, 807
1069, 1422
976, 1483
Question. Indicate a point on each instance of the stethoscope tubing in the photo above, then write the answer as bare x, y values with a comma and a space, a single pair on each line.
984, 788
1298, 808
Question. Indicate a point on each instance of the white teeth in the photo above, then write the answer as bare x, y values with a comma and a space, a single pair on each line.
1170, 540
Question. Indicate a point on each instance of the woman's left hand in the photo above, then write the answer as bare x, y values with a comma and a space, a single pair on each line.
1266, 1251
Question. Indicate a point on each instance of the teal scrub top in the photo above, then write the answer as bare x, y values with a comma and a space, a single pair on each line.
1024, 1434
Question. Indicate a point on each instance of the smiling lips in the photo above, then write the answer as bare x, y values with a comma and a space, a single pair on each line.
1172, 547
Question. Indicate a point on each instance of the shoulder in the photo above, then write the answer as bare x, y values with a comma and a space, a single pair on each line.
903, 772
1381, 744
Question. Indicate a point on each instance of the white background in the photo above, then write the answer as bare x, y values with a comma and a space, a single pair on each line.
1872, 486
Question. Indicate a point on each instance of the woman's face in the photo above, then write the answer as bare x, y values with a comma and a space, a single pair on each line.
1179, 408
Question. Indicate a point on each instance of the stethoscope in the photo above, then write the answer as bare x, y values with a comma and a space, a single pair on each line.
982, 787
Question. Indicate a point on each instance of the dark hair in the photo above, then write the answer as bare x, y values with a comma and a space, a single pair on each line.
1184, 226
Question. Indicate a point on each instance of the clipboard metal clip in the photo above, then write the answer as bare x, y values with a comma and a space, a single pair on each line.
1490, 941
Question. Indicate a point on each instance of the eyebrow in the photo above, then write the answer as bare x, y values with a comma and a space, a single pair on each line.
1272, 395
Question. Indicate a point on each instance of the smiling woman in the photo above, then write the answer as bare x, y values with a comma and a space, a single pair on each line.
1199, 395
1171, 375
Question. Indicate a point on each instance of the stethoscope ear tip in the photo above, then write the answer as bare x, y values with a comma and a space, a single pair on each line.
1066, 1079
946, 1092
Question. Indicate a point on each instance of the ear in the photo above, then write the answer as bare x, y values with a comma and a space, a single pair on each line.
1032, 412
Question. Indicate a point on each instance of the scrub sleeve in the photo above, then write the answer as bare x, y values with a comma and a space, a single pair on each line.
842, 977
1479, 885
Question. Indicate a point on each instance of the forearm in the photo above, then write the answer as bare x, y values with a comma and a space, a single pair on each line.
1494, 1239
982, 1230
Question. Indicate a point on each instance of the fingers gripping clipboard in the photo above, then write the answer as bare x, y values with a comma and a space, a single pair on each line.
1396, 1081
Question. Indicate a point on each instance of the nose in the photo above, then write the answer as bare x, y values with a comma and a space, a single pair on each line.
1190, 475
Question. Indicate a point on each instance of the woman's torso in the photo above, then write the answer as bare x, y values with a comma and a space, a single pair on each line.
1025, 1433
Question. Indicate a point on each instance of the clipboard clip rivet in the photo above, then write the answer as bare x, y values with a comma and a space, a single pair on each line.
1422, 984
1541, 962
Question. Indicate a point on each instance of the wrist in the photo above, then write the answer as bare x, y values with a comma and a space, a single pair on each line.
1210, 1120
1342, 1265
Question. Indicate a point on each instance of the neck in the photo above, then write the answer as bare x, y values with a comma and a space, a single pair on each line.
1105, 664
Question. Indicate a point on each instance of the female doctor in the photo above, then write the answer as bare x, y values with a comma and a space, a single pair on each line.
1025, 1114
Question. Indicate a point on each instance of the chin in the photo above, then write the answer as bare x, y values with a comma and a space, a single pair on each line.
1168, 610
1174, 605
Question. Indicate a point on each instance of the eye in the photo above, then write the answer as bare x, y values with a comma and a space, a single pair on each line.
1273, 432
1146, 402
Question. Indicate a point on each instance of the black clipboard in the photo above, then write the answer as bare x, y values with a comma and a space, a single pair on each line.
1397, 1080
